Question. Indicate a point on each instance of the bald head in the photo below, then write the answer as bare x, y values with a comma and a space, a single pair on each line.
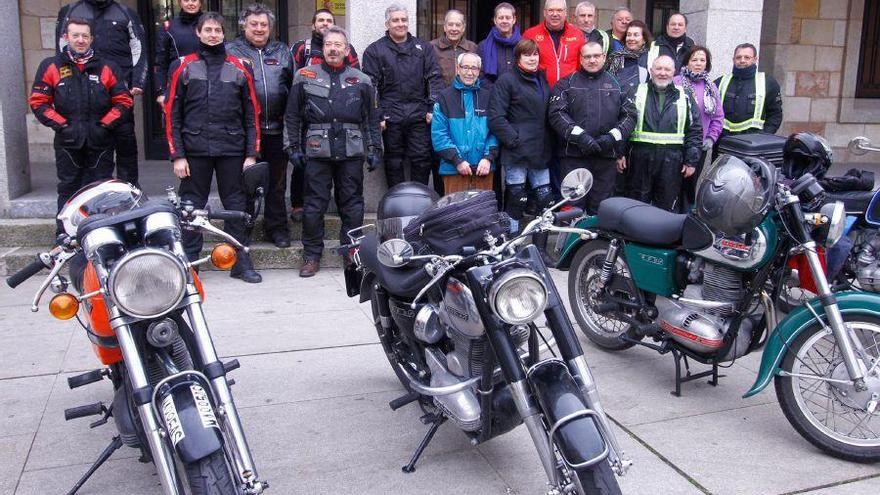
662, 71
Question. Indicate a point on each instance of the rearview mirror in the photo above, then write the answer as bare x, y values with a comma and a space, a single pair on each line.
859, 145
394, 253
576, 184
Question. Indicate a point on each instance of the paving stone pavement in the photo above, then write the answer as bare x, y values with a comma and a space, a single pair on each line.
313, 390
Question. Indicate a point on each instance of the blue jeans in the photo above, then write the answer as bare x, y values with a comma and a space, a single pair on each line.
518, 175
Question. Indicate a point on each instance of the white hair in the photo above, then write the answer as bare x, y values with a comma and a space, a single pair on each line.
585, 5
662, 57
454, 12
468, 54
395, 7
547, 2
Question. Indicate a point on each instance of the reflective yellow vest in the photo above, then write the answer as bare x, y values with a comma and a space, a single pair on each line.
677, 137
756, 122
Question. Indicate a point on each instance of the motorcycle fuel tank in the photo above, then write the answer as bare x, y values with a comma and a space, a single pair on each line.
744, 252
459, 310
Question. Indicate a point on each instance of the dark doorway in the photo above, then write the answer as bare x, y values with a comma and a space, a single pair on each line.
154, 13
658, 12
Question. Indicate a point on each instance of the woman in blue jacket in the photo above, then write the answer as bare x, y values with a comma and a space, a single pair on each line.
460, 130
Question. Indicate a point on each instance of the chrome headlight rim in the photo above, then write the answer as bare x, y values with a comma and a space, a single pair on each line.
504, 281
117, 268
98, 238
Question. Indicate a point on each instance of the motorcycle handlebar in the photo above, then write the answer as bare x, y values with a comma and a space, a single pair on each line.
565, 216
229, 215
25, 273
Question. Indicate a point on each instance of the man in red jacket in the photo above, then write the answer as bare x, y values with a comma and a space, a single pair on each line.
558, 41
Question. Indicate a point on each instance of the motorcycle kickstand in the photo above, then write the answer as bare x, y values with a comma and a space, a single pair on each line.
679, 379
435, 420
115, 444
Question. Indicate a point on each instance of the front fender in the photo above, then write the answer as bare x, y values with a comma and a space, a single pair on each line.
574, 242
849, 302
185, 406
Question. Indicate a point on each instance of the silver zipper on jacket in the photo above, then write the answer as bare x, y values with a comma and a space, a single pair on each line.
265, 89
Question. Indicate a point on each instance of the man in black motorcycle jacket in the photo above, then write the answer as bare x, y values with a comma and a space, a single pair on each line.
119, 38
273, 73
594, 116
334, 106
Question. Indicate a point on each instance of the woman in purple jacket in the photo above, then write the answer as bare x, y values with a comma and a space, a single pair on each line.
694, 77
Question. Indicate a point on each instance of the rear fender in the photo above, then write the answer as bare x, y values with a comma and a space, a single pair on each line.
801, 318
574, 428
184, 404
367, 286
574, 242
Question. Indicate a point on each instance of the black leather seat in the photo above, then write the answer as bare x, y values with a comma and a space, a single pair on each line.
405, 281
855, 202
646, 224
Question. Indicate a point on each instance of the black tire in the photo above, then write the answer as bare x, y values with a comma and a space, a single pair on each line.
598, 479
807, 423
210, 476
586, 256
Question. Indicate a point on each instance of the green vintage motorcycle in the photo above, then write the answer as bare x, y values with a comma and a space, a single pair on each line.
701, 286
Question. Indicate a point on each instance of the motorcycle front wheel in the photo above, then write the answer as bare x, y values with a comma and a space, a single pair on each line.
210, 476
832, 415
598, 479
585, 296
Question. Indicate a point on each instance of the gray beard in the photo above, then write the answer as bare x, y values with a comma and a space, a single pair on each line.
663, 85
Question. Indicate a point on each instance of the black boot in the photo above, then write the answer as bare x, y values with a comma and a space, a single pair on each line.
540, 242
244, 269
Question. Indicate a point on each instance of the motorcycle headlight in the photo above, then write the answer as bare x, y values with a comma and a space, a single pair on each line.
836, 214
518, 296
147, 283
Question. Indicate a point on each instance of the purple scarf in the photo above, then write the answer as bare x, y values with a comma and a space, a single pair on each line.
490, 48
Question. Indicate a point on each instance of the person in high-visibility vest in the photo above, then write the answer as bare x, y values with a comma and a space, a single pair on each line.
585, 18
674, 42
630, 65
752, 99
666, 142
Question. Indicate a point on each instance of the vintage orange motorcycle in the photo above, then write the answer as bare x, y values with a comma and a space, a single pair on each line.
140, 302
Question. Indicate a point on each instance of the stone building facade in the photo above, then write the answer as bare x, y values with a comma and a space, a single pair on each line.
813, 47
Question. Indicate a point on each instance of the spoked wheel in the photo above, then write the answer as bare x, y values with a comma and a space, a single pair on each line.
585, 296
833, 415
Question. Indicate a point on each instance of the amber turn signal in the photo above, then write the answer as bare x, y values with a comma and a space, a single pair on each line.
63, 306
223, 256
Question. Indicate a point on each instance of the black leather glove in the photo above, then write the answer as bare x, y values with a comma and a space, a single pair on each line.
296, 158
587, 144
374, 160
606, 143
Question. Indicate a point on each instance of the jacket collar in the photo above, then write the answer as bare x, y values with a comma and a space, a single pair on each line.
460, 86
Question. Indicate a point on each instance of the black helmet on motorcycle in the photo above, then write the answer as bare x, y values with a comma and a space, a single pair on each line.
400, 205
109, 197
804, 153
734, 194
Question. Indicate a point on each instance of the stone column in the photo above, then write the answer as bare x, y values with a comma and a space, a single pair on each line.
15, 177
720, 25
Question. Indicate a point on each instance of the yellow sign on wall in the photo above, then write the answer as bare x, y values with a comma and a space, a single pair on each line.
335, 6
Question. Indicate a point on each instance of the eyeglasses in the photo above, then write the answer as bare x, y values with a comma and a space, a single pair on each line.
470, 68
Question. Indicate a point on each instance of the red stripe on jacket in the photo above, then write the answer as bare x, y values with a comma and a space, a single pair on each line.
254, 100
121, 99
38, 100
169, 101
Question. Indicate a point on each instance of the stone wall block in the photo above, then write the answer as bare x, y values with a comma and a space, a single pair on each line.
834, 84
833, 9
805, 8
47, 32
872, 132
824, 109
30, 32
797, 108
817, 32
790, 83
829, 58
798, 57
40, 8
840, 134
839, 33
789, 128
813, 84
32, 59
796, 30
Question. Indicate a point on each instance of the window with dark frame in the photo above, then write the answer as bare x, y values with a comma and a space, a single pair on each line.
868, 81
658, 12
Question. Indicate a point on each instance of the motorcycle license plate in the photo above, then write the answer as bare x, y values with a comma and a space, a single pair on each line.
352, 280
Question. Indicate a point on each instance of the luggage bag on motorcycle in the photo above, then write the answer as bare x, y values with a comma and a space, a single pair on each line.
757, 145
455, 221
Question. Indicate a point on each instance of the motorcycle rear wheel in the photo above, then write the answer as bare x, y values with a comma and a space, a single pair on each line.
829, 415
584, 296
392, 345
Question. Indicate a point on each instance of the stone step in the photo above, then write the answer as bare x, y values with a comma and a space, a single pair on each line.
265, 256
40, 232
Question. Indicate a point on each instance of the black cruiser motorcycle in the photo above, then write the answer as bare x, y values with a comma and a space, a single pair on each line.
456, 313
140, 302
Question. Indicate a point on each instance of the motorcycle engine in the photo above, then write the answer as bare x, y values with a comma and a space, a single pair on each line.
865, 263
703, 329
459, 347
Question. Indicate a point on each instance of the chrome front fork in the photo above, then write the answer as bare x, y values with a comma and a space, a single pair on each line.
531, 415
244, 463
162, 456
835, 320
617, 457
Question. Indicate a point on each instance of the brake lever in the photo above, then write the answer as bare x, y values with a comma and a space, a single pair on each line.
203, 223
59, 261
439, 276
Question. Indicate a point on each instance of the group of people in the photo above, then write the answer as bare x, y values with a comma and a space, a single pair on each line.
513, 113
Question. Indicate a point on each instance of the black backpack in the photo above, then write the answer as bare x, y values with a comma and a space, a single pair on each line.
457, 221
